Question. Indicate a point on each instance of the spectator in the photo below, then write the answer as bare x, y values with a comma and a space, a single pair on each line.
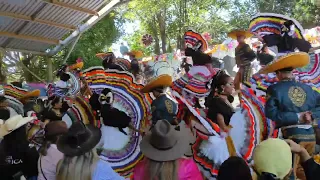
81, 161
50, 155
123, 49
238, 167
17, 159
272, 159
164, 149
310, 167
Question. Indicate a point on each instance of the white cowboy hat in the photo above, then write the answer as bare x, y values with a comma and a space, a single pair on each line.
13, 123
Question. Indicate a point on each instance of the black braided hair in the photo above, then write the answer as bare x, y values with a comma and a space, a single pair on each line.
198, 57
64, 77
62, 70
215, 85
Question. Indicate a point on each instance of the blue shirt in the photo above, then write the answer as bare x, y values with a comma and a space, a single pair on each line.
104, 171
124, 49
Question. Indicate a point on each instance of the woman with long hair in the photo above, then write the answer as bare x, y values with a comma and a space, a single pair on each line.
56, 107
50, 155
212, 150
81, 161
219, 101
16, 157
63, 83
164, 151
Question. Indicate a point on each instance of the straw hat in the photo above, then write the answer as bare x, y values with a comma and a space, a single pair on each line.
165, 143
78, 65
104, 55
13, 123
136, 54
235, 33
79, 140
163, 80
273, 156
292, 60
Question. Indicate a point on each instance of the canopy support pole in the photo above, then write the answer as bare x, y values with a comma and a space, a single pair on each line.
50, 72
71, 48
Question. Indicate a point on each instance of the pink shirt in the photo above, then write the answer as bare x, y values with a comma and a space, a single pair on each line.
188, 170
49, 163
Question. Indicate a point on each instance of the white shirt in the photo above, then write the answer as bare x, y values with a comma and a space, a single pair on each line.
104, 171
49, 163
61, 84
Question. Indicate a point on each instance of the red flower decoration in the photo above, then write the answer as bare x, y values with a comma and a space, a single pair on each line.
147, 39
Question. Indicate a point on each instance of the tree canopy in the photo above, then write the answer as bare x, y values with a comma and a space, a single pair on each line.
98, 39
167, 20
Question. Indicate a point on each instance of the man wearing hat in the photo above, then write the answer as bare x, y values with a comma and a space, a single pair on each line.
163, 107
244, 56
108, 61
292, 105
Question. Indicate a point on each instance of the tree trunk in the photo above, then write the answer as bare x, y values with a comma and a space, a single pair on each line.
162, 27
155, 37
27, 62
178, 41
182, 21
156, 45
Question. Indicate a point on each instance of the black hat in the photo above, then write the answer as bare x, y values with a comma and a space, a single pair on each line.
79, 140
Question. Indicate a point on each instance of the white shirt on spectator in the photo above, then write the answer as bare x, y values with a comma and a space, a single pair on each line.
49, 163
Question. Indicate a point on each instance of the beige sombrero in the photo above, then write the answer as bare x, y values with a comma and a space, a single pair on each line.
292, 60
235, 33
13, 123
163, 80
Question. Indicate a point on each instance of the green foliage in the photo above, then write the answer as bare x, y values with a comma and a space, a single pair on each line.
307, 13
96, 40
304, 11
134, 41
177, 16
215, 17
